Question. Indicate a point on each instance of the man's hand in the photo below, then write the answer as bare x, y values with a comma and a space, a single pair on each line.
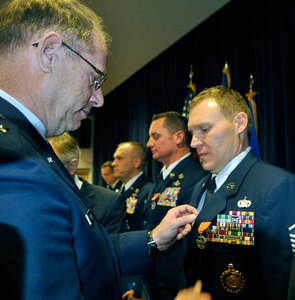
129, 295
193, 293
174, 226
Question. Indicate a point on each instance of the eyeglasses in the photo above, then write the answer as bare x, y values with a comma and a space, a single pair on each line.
97, 81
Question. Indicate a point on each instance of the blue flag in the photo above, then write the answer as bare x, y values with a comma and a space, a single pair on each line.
190, 94
226, 79
254, 132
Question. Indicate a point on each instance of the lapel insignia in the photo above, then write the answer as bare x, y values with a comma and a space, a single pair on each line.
176, 183
232, 280
3, 129
245, 203
230, 186
137, 191
50, 160
180, 176
171, 175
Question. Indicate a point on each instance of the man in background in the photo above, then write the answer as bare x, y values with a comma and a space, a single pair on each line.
107, 174
128, 164
106, 205
169, 142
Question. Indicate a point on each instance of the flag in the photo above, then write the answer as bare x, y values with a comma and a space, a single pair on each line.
190, 94
254, 126
225, 79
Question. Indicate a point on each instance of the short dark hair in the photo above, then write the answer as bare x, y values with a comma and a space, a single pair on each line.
174, 121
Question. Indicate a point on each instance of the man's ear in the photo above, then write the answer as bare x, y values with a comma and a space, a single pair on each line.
137, 162
241, 121
179, 137
49, 46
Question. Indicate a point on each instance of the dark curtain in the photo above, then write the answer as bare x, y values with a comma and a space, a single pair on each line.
253, 36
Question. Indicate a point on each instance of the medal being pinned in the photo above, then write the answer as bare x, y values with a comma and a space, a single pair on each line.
201, 240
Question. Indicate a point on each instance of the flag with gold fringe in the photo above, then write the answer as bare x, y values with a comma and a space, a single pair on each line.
226, 79
190, 94
254, 126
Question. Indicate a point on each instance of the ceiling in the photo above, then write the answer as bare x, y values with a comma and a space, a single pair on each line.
142, 29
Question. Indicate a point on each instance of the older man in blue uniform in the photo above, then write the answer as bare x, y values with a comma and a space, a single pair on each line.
53, 56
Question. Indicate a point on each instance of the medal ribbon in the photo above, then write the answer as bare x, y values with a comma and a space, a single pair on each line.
203, 226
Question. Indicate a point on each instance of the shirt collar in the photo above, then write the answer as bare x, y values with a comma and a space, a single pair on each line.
33, 119
131, 181
166, 170
227, 170
78, 181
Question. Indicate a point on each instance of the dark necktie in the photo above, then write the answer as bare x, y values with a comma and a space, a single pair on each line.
210, 188
158, 182
122, 190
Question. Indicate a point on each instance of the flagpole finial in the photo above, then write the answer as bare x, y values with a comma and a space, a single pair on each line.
191, 74
251, 84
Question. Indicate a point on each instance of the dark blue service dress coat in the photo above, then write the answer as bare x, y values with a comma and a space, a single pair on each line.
51, 246
135, 198
247, 253
175, 190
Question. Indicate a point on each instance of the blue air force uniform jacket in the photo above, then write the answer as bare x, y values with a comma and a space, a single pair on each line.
175, 190
134, 198
248, 252
51, 246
